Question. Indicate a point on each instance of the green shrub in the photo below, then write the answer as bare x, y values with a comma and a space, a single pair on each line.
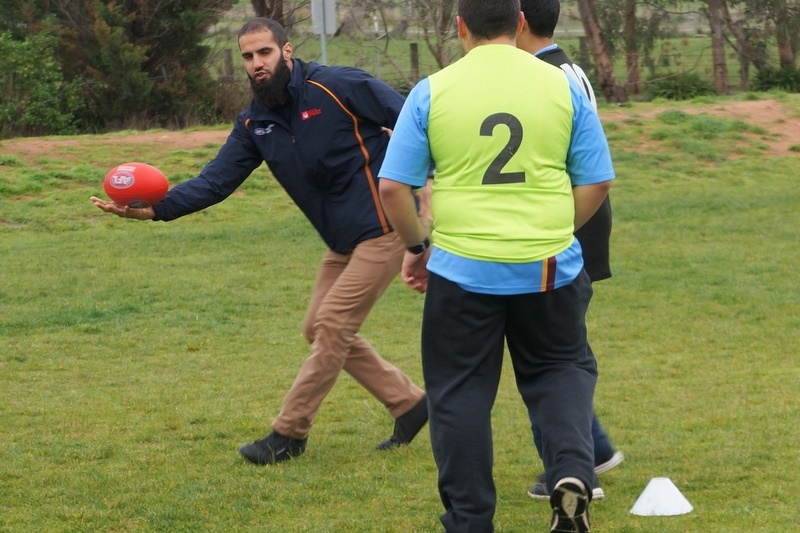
35, 99
786, 79
98, 65
673, 116
683, 86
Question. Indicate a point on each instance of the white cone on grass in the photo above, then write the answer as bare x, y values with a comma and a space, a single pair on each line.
661, 498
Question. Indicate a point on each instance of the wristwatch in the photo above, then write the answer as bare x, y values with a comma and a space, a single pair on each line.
421, 247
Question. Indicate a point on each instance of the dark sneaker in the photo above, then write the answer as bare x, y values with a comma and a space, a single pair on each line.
273, 448
407, 426
570, 503
538, 490
605, 466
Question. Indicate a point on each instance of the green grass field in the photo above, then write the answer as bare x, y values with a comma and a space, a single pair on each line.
136, 356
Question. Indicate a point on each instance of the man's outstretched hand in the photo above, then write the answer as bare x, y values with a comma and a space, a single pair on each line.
139, 213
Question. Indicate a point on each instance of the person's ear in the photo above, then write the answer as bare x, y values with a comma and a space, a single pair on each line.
522, 24
462, 28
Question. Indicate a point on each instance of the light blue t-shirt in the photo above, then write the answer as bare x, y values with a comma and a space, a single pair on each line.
408, 161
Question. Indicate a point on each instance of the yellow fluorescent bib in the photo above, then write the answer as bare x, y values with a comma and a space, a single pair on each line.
499, 130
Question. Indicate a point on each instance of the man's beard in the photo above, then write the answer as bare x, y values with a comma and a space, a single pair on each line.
273, 91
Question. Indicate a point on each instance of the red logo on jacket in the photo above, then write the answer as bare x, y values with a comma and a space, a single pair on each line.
308, 113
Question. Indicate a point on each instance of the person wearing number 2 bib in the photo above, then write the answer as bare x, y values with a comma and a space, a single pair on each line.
521, 161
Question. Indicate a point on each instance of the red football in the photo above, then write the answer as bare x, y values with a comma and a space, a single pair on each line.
136, 184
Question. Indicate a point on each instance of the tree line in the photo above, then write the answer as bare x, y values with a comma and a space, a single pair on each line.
749, 27
764, 34
69, 66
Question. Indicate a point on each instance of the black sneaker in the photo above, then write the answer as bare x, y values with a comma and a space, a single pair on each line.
612, 462
538, 490
570, 503
407, 426
273, 448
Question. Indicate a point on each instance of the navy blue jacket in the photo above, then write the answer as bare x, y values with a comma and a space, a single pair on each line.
324, 147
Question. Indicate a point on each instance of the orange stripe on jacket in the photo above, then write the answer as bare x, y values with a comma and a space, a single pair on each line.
367, 170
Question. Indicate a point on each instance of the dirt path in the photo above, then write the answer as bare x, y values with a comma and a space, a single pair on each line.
770, 115
169, 140
767, 114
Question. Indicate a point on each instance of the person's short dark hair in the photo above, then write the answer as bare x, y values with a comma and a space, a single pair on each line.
488, 19
542, 16
265, 24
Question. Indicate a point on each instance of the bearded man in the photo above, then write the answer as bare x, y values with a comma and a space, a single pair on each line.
323, 133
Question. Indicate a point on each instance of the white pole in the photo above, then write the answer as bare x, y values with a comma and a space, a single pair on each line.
323, 38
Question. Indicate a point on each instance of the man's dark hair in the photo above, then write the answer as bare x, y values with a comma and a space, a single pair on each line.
264, 24
488, 19
542, 16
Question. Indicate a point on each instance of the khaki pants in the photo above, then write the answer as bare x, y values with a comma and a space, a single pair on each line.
346, 289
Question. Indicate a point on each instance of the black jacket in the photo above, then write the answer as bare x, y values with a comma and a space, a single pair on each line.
595, 234
324, 147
